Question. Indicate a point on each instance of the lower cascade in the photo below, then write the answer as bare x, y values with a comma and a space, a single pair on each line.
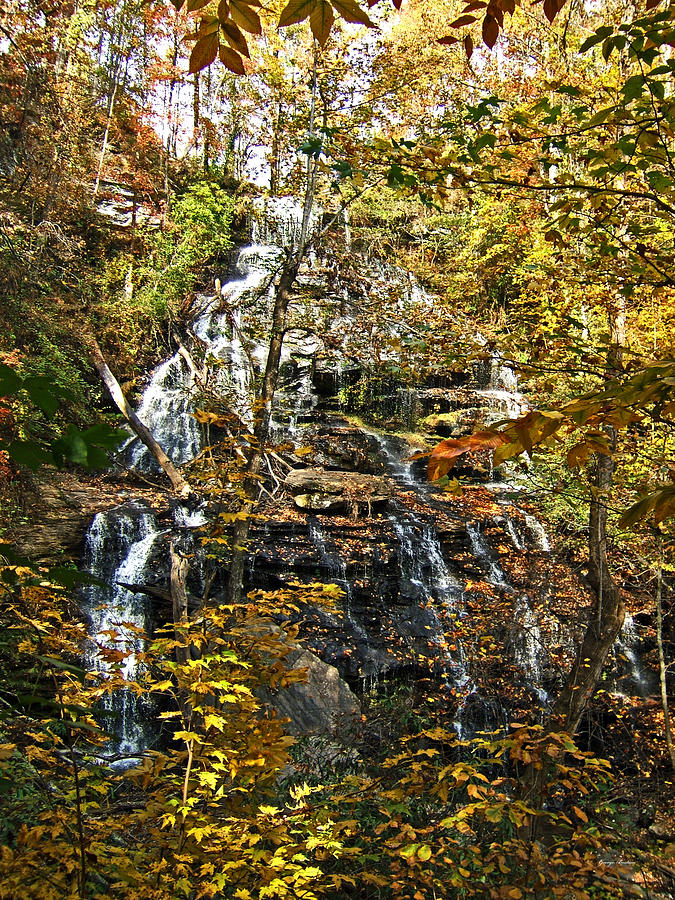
118, 550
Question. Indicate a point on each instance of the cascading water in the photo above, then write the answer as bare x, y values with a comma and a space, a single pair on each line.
166, 410
118, 548
229, 330
632, 677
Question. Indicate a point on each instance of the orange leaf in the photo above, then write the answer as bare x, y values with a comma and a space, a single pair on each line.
443, 455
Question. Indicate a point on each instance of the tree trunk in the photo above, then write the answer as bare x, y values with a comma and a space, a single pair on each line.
282, 299
242, 526
179, 484
606, 615
662, 658
607, 612
179, 600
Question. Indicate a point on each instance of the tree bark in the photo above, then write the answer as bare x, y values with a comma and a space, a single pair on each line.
179, 599
179, 484
662, 658
282, 299
606, 615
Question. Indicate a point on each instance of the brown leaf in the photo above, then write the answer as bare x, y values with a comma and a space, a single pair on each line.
245, 17
448, 40
321, 21
194, 5
207, 25
468, 46
550, 9
490, 31
350, 11
578, 455
463, 20
235, 38
203, 52
223, 11
231, 60
296, 11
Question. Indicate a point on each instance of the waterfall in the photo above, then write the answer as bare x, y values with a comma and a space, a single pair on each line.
166, 410
526, 637
632, 679
118, 549
538, 532
483, 554
278, 220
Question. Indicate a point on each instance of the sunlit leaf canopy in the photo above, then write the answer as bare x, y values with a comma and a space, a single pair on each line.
223, 27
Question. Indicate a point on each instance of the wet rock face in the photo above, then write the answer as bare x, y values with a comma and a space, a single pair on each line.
385, 619
337, 445
316, 490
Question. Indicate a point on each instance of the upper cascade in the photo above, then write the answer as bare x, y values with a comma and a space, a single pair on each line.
278, 221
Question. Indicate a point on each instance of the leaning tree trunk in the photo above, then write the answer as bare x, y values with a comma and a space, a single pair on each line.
180, 485
282, 299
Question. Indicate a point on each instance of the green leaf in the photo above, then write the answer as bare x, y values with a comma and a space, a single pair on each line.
10, 382
103, 435
485, 140
596, 38
633, 88
312, 146
56, 663
41, 391
72, 447
29, 454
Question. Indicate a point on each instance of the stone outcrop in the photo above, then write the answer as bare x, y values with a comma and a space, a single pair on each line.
62, 509
318, 490
320, 705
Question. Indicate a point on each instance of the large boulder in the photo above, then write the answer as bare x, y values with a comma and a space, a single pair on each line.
319, 491
323, 704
